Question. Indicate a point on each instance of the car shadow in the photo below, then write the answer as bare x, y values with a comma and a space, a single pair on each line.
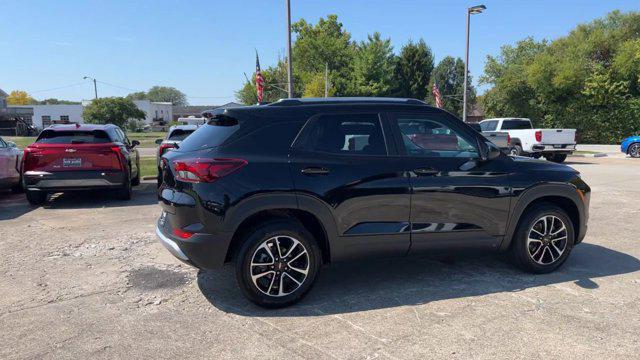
15, 205
143, 194
379, 284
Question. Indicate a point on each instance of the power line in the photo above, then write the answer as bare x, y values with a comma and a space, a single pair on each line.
60, 87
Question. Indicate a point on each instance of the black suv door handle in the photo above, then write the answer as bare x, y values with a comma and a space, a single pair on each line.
315, 171
426, 171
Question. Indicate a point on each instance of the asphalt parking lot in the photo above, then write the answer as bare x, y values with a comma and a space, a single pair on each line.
85, 277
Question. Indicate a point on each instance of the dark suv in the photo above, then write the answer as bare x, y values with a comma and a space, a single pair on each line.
281, 189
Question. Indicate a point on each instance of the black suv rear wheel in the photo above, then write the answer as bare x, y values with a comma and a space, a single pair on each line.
544, 239
277, 263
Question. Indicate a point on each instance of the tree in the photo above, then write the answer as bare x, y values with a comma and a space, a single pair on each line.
322, 44
413, 70
112, 110
373, 67
139, 95
315, 87
448, 76
54, 101
19, 97
166, 94
588, 80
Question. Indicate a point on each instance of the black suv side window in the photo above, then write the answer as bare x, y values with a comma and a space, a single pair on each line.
348, 134
429, 135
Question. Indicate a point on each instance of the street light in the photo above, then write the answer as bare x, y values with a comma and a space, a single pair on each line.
95, 87
289, 60
470, 11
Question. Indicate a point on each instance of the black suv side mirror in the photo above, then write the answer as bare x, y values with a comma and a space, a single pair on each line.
486, 150
135, 143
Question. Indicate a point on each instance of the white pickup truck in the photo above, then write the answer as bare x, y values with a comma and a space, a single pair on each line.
553, 144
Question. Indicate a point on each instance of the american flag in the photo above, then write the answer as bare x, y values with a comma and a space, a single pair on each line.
259, 80
437, 96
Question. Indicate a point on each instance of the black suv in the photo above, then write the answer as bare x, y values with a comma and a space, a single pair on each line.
281, 189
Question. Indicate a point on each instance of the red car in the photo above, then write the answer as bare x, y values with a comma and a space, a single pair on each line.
80, 157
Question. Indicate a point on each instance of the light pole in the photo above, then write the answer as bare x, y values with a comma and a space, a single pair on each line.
95, 87
289, 60
470, 11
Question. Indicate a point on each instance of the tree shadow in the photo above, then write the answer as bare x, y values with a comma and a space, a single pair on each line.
379, 284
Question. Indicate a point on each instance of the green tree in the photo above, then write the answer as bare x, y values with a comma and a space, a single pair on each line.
19, 97
448, 76
54, 101
373, 67
138, 95
414, 66
325, 43
166, 94
112, 110
588, 80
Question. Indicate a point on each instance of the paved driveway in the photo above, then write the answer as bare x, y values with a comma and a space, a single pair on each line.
84, 277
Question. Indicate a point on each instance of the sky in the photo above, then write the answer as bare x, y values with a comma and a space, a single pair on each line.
203, 48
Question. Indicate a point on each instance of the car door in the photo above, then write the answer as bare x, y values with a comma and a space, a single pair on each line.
345, 163
457, 200
130, 152
6, 164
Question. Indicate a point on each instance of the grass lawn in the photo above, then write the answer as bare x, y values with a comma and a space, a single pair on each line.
21, 141
147, 140
148, 166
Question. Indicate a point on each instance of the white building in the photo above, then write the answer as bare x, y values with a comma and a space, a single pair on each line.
45, 115
156, 111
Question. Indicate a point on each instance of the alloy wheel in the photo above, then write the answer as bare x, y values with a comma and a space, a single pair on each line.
634, 150
547, 240
279, 266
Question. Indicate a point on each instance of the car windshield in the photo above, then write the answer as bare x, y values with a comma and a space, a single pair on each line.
73, 137
179, 134
516, 124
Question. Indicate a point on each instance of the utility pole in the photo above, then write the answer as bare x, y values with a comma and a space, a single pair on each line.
289, 59
470, 11
95, 86
326, 80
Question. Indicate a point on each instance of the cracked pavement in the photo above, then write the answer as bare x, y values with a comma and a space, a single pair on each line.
84, 277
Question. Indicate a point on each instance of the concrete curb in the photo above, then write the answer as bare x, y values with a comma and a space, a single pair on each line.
589, 155
150, 177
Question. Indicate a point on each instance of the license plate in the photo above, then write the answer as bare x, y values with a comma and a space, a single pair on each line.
71, 162
557, 146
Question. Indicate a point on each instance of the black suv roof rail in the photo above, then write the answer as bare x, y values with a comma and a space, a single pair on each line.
345, 100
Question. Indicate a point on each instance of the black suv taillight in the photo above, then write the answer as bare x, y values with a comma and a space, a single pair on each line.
205, 170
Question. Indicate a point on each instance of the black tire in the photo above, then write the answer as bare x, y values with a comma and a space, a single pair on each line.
125, 192
516, 150
536, 155
136, 180
559, 158
17, 188
522, 250
159, 178
634, 150
36, 198
262, 236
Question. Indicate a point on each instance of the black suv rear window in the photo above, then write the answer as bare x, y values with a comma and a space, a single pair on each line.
73, 137
215, 133
179, 134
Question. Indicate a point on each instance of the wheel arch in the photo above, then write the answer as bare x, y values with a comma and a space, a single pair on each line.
631, 144
311, 213
564, 196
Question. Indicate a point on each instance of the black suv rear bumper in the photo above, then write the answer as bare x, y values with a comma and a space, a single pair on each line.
73, 180
204, 251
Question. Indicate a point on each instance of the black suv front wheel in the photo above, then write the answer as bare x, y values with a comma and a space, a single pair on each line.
277, 263
544, 239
